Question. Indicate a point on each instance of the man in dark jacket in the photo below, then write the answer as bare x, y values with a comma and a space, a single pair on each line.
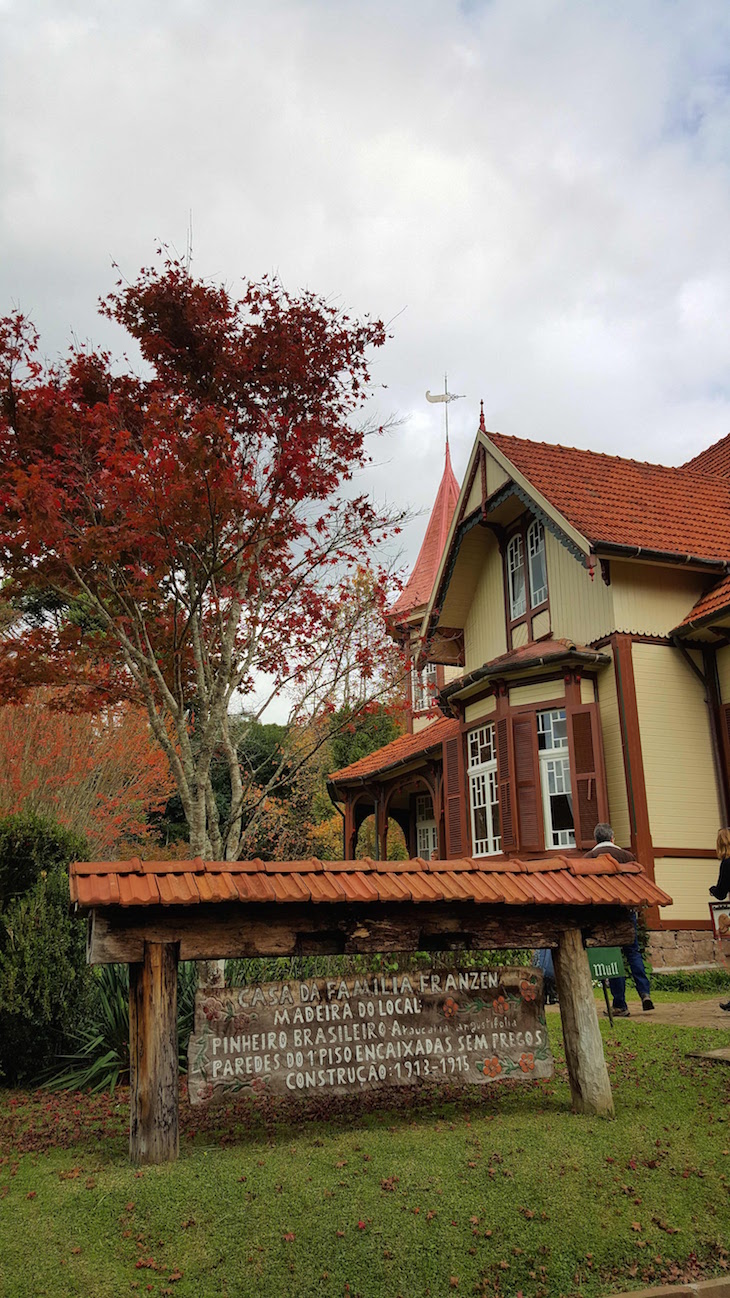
605, 845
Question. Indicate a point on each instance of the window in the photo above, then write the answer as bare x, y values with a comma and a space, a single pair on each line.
516, 577
424, 687
557, 797
484, 792
536, 558
526, 580
427, 839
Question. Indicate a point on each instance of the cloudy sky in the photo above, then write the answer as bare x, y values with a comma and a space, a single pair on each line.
535, 192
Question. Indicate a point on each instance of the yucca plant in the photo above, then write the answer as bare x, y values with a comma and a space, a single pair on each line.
101, 1057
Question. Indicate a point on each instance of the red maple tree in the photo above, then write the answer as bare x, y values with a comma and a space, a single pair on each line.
174, 538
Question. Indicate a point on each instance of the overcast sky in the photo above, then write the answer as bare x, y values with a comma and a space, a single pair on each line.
535, 192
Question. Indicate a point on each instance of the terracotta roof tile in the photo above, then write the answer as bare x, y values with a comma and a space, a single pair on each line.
713, 602
417, 590
554, 880
399, 751
627, 502
715, 460
254, 887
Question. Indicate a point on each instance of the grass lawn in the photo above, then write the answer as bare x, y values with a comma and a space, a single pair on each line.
497, 1191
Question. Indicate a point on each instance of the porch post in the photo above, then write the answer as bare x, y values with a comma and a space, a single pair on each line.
153, 1101
589, 1084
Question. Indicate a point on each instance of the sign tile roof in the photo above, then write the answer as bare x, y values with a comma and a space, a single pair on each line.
627, 502
550, 881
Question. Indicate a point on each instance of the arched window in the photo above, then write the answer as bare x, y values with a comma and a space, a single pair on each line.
536, 560
516, 577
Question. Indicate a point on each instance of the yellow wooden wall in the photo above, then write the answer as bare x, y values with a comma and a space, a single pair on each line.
540, 692
687, 881
676, 748
613, 757
496, 476
485, 633
581, 609
484, 708
651, 600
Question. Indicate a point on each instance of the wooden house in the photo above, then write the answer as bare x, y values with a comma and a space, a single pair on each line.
568, 622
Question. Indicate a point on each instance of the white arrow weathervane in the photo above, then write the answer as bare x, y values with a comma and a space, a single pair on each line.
445, 397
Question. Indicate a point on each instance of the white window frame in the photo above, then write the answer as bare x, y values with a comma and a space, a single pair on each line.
427, 837
424, 687
536, 547
484, 788
515, 563
554, 761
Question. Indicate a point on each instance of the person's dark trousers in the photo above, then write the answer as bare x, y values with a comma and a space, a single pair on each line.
632, 956
722, 888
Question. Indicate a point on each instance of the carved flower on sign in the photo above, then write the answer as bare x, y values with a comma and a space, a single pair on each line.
500, 1005
527, 1062
451, 1009
528, 989
490, 1067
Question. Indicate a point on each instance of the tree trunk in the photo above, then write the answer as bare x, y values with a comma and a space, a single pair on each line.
589, 1083
153, 1123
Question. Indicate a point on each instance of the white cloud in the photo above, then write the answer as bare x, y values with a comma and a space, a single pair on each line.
536, 190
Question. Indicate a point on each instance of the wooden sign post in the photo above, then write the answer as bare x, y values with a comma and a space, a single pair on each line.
479, 1026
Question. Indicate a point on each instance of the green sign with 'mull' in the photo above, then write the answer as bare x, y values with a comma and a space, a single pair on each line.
606, 962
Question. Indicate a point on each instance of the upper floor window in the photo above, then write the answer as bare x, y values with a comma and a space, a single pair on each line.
538, 567
526, 577
516, 576
424, 687
484, 792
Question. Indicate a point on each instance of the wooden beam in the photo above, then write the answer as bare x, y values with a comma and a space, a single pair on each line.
589, 1084
153, 1119
207, 932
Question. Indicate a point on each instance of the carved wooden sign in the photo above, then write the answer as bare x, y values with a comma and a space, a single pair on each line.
357, 1034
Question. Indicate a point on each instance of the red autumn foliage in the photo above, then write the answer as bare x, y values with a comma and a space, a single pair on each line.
98, 775
170, 538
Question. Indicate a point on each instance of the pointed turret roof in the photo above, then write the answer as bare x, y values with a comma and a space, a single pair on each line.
417, 591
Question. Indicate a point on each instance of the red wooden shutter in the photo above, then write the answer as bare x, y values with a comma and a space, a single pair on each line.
455, 799
504, 780
527, 783
590, 804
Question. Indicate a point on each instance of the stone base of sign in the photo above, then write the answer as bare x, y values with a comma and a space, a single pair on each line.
350, 1035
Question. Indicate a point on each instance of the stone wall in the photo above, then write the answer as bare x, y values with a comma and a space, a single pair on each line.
683, 949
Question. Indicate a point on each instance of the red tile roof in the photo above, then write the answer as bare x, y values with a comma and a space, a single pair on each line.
399, 750
535, 654
627, 502
714, 460
714, 601
417, 590
555, 880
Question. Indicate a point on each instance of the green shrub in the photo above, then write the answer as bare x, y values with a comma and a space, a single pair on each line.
44, 978
691, 980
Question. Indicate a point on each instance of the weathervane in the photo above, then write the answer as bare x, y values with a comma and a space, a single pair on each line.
446, 397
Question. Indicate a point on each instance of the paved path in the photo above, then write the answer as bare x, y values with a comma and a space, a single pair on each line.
686, 1014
